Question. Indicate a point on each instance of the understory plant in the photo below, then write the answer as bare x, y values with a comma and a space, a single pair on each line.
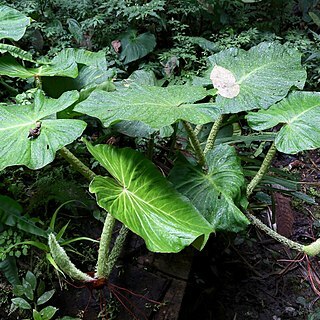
201, 188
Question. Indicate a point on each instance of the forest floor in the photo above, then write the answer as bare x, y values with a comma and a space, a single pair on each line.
236, 277
253, 277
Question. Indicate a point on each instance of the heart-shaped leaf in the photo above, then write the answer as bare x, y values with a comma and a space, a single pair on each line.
136, 46
155, 106
300, 116
93, 72
143, 200
28, 137
213, 193
13, 23
264, 74
137, 128
75, 29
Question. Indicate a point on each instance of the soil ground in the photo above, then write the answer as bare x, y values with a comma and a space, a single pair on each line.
236, 277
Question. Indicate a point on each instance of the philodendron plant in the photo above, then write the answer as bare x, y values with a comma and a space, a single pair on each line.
204, 193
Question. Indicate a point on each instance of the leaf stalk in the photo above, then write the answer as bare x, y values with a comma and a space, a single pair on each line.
77, 164
105, 262
213, 134
263, 169
312, 249
195, 143
104, 246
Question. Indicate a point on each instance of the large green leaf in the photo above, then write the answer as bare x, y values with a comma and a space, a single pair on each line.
88, 79
265, 74
16, 52
16, 148
155, 106
136, 46
137, 128
86, 57
142, 78
13, 23
59, 66
93, 72
300, 116
140, 197
214, 192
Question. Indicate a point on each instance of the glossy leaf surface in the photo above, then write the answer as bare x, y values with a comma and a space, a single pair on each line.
141, 198
16, 52
265, 75
93, 72
299, 115
59, 66
213, 193
21, 303
45, 297
13, 23
48, 312
16, 148
85, 57
155, 106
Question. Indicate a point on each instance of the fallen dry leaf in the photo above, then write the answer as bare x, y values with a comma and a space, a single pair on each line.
116, 45
225, 82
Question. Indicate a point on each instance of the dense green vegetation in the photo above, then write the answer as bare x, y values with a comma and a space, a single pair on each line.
172, 112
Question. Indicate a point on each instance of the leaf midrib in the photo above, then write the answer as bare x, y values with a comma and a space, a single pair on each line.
292, 120
18, 126
246, 76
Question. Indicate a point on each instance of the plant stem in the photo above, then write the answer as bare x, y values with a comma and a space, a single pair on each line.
273, 234
173, 138
195, 143
312, 249
77, 164
197, 129
104, 246
105, 263
12, 90
213, 134
116, 250
150, 147
263, 169
63, 261
38, 82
